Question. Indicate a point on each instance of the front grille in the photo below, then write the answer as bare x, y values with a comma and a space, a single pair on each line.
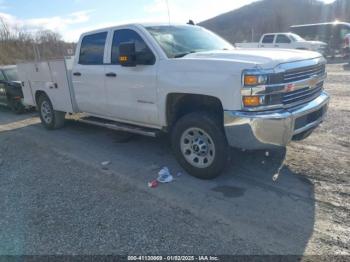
302, 95
303, 73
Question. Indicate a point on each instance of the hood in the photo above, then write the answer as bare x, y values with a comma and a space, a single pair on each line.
266, 58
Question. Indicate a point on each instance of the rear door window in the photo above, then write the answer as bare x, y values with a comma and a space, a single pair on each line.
92, 49
268, 39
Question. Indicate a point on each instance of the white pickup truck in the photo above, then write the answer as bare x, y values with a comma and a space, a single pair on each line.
186, 81
286, 41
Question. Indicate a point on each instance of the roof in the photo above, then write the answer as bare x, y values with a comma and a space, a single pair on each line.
136, 25
4, 67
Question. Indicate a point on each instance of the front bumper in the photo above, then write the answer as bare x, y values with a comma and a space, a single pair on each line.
273, 129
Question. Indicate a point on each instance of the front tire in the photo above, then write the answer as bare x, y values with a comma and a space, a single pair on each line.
50, 118
200, 146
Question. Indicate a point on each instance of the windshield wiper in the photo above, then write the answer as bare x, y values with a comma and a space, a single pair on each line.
184, 54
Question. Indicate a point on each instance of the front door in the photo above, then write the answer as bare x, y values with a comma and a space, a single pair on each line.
131, 91
88, 75
283, 41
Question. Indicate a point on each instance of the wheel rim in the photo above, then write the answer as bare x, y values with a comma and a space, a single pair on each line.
46, 112
198, 147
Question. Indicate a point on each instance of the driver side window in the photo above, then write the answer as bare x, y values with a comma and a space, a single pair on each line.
143, 52
268, 39
283, 39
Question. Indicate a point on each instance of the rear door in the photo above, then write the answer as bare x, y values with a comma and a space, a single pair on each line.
131, 91
3, 98
88, 75
283, 41
268, 41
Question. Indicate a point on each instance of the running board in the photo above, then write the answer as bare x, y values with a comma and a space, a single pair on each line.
117, 126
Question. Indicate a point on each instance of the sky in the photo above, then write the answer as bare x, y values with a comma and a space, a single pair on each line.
70, 18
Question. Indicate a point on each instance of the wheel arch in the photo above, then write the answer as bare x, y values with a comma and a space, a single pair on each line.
38, 94
180, 104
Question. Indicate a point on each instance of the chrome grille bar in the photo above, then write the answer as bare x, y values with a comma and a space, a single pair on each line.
304, 73
302, 96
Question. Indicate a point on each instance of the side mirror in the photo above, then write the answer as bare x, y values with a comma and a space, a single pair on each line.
127, 54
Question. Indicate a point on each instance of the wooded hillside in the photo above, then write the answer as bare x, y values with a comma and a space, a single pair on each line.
17, 45
269, 16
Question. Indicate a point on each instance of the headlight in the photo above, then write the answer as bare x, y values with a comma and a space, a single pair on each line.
254, 79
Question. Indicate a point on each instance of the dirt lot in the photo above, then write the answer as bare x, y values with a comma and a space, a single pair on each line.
56, 198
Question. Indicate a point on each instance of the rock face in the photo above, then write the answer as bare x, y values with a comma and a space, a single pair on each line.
250, 22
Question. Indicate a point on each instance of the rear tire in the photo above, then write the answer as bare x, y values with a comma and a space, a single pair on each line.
50, 118
200, 146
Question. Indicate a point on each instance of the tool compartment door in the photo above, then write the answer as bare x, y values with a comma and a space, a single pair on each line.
62, 92
50, 77
24, 70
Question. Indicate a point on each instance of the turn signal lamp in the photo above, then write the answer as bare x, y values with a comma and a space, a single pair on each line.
251, 101
123, 59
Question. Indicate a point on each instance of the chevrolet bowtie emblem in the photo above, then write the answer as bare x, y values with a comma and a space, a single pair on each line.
289, 88
313, 81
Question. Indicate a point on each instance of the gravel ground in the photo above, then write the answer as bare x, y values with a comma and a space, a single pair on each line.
57, 199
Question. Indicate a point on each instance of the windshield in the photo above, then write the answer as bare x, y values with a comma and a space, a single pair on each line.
178, 41
296, 38
11, 74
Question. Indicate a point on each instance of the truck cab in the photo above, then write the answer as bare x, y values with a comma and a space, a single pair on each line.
286, 41
291, 41
188, 82
123, 93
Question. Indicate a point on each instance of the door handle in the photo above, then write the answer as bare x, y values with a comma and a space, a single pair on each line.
111, 75
277, 46
77, 74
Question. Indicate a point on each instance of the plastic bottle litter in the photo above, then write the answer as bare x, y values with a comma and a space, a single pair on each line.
267, 153
106, 163
275, 177
165, 176
153, 184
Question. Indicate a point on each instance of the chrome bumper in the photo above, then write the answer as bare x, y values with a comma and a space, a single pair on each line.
266, 130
